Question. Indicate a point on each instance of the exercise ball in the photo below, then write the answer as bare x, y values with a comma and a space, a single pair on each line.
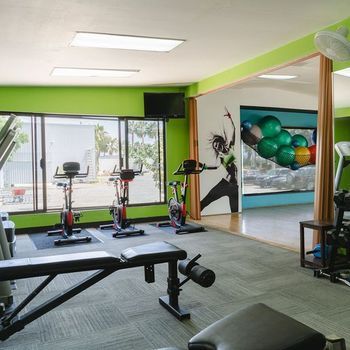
256, 131
312, 150
302, 155
283, 138
295, 166
285, 155
314, 136
248, 138
247, 124
267, 147
270, 126
299, 141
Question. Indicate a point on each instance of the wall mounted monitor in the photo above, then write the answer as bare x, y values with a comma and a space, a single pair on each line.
164, 105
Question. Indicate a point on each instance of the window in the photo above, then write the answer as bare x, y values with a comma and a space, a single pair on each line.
145, 147
92, 143
264, 176
98, 144
21, 176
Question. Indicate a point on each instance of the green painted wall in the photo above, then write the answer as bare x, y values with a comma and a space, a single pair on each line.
342, 112
77, 100
341, 65
97, 101
342, 133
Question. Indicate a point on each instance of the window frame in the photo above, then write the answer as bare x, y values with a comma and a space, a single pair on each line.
42, 161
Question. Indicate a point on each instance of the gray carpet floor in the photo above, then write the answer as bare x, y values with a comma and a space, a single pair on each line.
122, 311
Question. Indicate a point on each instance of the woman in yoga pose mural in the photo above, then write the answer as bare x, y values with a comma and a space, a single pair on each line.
223, 147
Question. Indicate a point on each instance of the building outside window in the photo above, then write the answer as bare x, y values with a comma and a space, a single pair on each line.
44, 143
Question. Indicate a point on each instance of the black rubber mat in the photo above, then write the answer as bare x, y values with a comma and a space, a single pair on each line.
167, 229
43, 241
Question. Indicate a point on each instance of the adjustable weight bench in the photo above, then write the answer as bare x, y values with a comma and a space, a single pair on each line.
146, 255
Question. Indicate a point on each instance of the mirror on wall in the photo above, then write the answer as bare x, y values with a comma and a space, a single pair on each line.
291, 95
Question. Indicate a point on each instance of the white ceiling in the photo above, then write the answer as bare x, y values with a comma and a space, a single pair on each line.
35, 36
306, 81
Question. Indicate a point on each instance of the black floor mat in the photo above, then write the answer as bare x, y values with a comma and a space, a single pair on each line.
167, 229
172, 230
43, 241
109, 232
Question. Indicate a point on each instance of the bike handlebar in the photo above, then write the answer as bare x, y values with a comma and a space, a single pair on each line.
116, 172
84, 174
65, 175
201, 168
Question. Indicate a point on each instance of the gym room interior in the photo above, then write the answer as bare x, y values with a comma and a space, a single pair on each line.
174, 175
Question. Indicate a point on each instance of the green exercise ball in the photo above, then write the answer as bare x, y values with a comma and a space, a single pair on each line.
284, 138
299, 141
285, 155
270, 126
267, 147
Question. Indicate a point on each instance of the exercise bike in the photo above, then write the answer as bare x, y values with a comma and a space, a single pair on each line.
337, 249
68, 216
177, 204
121, 224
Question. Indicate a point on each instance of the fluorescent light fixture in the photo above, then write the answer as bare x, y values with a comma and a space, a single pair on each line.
126, 42
344, 72
277, 76
87, 72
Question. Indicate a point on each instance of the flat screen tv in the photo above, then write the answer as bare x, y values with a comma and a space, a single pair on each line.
164, 105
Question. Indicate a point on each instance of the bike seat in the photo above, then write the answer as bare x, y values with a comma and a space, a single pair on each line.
127, 174
174, 183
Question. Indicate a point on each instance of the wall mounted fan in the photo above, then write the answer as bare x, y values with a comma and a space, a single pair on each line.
334, 45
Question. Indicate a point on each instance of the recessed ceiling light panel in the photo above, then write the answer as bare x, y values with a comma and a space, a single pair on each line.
87, 72
126, 42
277, 76
344, 72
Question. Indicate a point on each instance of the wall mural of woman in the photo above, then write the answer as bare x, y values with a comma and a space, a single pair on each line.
222, 144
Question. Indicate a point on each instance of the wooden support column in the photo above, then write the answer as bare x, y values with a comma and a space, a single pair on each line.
324, 179
195, 211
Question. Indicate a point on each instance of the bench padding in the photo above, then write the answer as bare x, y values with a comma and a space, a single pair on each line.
46, 265
257, 327
153, 253
146, 254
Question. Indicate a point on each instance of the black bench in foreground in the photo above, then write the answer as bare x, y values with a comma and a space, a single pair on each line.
146, 255
258, 327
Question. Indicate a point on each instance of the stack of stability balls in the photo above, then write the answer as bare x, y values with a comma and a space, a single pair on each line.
272, 142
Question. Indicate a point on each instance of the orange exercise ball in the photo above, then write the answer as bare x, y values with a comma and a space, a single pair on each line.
302, 155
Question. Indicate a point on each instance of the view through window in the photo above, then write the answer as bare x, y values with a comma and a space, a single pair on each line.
17, 174
100, 144
261, 175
